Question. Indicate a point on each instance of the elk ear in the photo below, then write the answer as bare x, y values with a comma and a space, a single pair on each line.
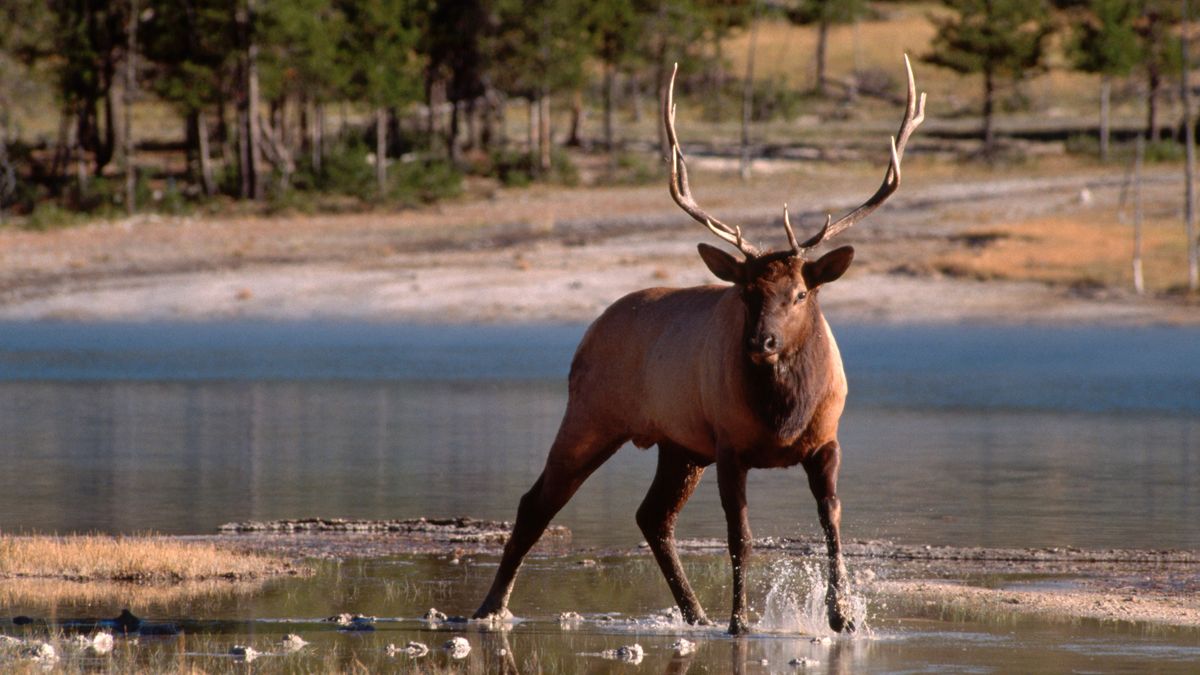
722, 264
829, 267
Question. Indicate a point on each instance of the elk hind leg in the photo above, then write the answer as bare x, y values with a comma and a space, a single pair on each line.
573, 457
674, 481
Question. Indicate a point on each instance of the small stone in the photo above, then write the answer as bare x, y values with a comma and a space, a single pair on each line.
413, 650
347, 621
683, 646
293, 642
434, 616
41, 651
629, 653
804, 663
764, 662
569, 620
243, 653
457, 647
823, 640
587, 562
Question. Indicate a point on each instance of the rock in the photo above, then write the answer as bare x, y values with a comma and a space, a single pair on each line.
804, 663
569, 620
126, 622
413, 649
41, 651
348, 621
683, 646
7, 641
586, 562
457, 647
764, 662
629, 653
434, 616
244, 653
823, 640
21, 620
293, 642
100, 643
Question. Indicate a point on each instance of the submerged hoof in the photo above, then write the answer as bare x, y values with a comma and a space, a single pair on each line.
738, 626
840, 624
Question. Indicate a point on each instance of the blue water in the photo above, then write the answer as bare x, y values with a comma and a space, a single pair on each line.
957, 435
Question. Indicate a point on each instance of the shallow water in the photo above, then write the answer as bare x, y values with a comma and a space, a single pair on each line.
622, 601
953, 435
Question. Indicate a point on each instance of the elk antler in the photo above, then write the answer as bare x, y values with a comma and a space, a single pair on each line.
914, 114
681, 192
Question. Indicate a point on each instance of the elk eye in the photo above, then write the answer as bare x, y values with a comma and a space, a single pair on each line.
801, 296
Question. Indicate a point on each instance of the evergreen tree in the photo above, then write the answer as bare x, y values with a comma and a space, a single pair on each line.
1000, 39
1160, 53
824, 13
1105, 43
383, 65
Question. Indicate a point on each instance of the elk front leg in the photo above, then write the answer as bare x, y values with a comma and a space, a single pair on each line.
822, 470
731, 481
674, 481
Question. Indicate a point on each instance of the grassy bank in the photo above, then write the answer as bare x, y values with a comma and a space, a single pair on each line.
144, 559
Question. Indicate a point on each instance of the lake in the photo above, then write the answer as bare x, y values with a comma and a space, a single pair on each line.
974, 435
968, 436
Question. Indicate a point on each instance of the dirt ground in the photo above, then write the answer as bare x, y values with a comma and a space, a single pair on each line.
956, 244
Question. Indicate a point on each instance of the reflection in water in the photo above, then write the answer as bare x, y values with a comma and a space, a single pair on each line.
186, 457
964, 436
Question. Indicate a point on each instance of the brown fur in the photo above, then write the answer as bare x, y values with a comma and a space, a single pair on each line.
689, 370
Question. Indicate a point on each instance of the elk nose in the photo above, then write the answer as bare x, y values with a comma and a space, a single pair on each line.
767, 344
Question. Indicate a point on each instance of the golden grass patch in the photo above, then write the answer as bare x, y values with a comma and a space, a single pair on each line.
1091, 248
135, 558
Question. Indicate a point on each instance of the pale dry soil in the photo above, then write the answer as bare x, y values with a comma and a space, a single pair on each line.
957, 244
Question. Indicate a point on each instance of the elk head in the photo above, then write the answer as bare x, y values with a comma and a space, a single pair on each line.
779, 287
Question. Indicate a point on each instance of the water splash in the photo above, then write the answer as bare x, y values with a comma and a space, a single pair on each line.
795, 600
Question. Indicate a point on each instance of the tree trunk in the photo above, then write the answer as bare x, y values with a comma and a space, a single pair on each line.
206, 170
130, 83
1105, 96
317, 140
822, 45
381, 150
573, 138
748, 96
715, 100
452, 143
1189, 140
533, 133
989, 102
1152, 107
254, 121
1139, 284
610, 142
8, 176
544, 141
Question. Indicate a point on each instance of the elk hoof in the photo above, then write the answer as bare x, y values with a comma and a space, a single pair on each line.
839, 624
738, 626
491, 614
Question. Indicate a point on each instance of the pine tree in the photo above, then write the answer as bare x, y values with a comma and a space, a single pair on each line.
824, 13
1000, 39
1105, 43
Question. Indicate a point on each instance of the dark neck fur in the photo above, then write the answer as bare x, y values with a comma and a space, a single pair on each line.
786, 394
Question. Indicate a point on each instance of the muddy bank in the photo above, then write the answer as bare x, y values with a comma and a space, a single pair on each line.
1153, 586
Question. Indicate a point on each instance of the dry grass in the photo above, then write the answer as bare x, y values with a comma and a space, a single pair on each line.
1088, 249
139, 558
141, 598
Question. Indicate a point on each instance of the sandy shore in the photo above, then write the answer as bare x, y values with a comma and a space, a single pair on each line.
564, 254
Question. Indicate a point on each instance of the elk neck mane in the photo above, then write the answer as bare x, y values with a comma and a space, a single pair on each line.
787, 393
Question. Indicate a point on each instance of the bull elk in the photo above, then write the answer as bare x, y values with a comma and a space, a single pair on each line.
743, 376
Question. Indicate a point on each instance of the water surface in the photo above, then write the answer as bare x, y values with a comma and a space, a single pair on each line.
952, 435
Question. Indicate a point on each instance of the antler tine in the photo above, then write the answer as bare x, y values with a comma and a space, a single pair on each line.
787, 226
914, 114
681, 191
